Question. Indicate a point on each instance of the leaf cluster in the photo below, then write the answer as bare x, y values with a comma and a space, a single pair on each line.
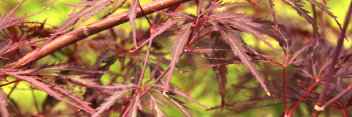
137, 71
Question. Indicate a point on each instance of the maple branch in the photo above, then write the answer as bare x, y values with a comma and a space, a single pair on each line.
86, 31
336, 55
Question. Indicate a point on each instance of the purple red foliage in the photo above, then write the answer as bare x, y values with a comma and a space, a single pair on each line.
290, 74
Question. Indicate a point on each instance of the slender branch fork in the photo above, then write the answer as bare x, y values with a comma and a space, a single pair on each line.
86, 31
320, 106
109, 22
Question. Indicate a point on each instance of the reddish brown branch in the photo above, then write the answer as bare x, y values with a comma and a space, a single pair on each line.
83, 32
336, 55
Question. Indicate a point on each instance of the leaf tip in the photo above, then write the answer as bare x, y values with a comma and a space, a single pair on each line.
319, 108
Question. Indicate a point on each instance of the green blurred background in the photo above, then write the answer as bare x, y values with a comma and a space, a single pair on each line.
202, 90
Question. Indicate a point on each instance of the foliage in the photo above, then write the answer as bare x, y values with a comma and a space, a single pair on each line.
178, 59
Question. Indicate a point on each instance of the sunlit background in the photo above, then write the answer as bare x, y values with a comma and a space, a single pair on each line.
200, 84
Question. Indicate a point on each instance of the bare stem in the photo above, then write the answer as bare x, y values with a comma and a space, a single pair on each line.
303, 97
284, 88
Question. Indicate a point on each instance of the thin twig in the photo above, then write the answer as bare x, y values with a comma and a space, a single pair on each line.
85, 31
334, 61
